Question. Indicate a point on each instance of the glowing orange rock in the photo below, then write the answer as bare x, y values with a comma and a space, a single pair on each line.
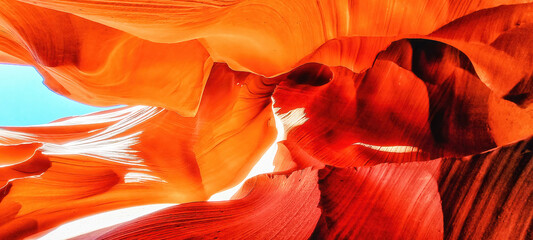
98, 65
138, 155
286, 207
399, 201
420, 99
402, 90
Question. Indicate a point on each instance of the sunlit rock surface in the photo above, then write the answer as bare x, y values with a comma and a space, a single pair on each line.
402, 119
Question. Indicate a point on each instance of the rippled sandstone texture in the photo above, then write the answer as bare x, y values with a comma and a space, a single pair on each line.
403, 119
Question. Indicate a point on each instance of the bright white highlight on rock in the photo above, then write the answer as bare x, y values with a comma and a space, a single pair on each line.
103, 220
265, 164
137, 177
291, 119
105, 145
391, 149
5, 135
99, 221
98, 117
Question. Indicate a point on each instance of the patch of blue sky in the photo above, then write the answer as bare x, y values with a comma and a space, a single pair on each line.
25, 100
